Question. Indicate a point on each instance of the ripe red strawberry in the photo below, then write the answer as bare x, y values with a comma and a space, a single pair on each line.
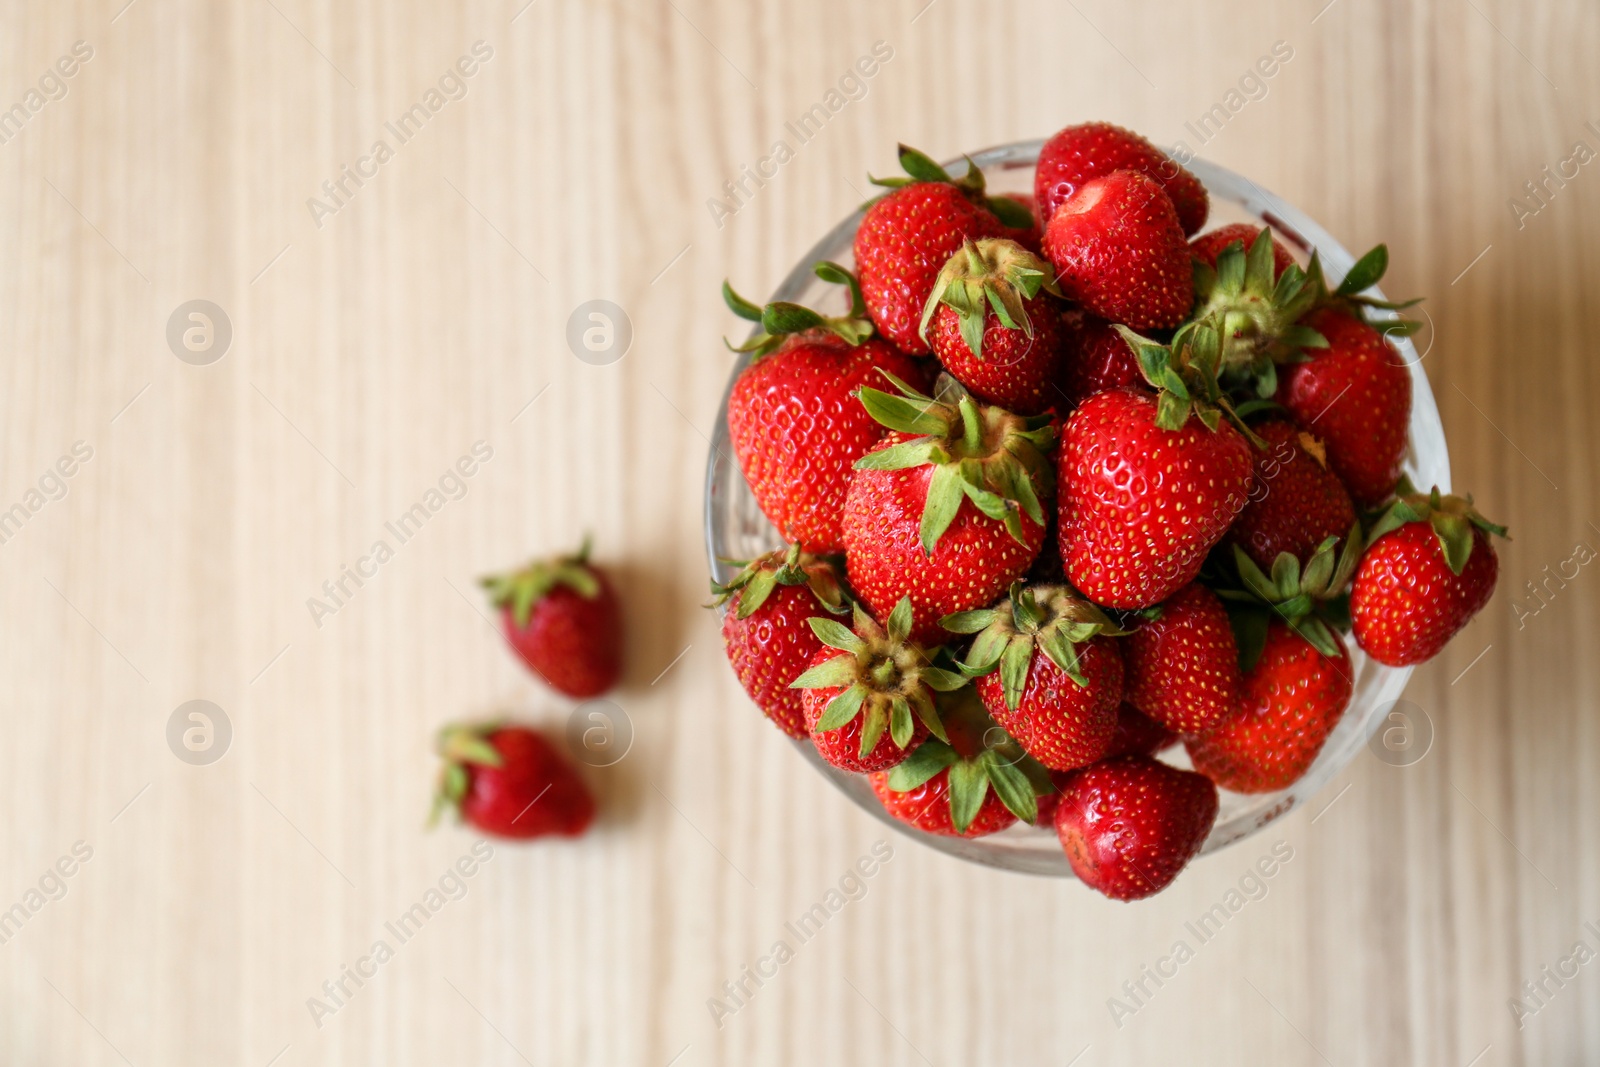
927, 805
909, 234
1429, 569
1138, 734
1045, 674
792, 414
1183, 667
510, 781
1295, 502
993, 327
1355, 395
1141, 505
1130, 825
765, 632
1079, 154
977, 784
562, 617
1094, 358
947, 511
868, 695
1119, 252
1288, 704
1207, 246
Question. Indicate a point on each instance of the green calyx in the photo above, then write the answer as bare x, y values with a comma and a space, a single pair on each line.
1363, 275
919, 167
1453, 519
1185, 372
1310, 601
989, 273
1255, 315
979, 452
781, 319
524, 588
1051, 618
461, 745
881, 675
1017, 780
758, 578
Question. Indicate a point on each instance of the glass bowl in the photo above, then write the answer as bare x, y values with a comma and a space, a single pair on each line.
736, 529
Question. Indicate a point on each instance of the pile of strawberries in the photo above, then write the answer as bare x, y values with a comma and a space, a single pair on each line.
1068, 484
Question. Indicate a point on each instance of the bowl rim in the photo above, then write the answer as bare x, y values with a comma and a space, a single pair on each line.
997, 850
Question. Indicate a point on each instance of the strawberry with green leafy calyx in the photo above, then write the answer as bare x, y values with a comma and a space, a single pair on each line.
1310, 601
510, 781
948, 510
1061, 705
783, 319
1430, 566
979, 452
977, 783
920, 167
1051, 618
564, 620
971, 783
1452, 518
1258, 312
910, 232
868, 693
793, 418
758, 578
994, 321
764, 627
1253, 312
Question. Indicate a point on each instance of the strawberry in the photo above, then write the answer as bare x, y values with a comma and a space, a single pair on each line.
1430, 567
562, 617
792, 415
1290, 700
764, 628
928, 804
1141, 504
1183, 666
1249, 300
1355, 395
1079, 154
1138, 734
1295, 502
1208, 246
993, 327
909, 234
1061, 706
1094, 358
868, 695
946, 789
948, 509
510, 781
1119, 252
1129, 825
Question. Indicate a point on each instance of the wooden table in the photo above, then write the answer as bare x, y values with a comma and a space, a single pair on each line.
183, 506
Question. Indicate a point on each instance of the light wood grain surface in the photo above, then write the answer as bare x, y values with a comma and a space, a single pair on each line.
377, 340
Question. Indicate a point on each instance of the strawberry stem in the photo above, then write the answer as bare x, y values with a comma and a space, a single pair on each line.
971, 427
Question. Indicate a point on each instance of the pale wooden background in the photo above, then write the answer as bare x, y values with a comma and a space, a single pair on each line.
370, 353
